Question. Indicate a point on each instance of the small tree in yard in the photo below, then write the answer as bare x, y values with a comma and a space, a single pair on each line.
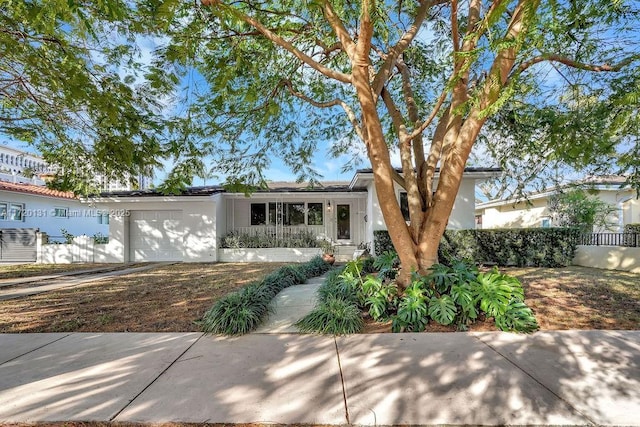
420, 76
581, 210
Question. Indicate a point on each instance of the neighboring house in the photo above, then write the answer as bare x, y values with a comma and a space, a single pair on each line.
22, 167
50, 211
148, 226
534, 210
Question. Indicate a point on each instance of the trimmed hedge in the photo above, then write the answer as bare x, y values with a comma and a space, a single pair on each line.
523, 247
632, 228
242, 311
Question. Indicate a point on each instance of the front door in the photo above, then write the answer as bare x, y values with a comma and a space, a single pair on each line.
343, 213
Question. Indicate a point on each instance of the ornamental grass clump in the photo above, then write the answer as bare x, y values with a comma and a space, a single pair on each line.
241, 312
334, 316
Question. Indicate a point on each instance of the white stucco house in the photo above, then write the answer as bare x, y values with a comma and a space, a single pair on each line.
24, 205
148, 226
534, 210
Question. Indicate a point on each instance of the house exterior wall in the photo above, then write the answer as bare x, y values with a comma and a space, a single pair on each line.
39, 213
198, 225
532, 213
238, 212
519, 215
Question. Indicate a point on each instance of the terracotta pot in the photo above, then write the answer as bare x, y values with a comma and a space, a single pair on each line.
328, 258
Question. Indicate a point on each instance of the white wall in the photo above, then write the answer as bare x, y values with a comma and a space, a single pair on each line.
38, 213
520, 215
268, 254
462, 215
608, 258
198, 221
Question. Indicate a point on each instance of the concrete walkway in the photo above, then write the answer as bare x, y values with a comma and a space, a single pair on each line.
493, 378
291, 305
38, 284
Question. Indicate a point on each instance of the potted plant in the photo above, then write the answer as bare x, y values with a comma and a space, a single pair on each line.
328, 251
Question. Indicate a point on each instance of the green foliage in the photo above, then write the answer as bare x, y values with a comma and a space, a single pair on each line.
387, 265
412, 309
266, 239
458, 294
378, 297
74, 87
442, 309
632, 228
580, 210
382, 242
241, 312
334, 316
68, 237
517, 317
100, 239
527, 247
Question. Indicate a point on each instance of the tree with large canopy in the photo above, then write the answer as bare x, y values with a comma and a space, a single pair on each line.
423, 77
71, 84
538, 81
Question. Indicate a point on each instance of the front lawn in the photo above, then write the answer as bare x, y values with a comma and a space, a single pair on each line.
165, 299
581, 298
14, 271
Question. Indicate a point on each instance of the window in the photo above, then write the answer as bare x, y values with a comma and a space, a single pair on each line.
404, 205
315, 213
3, 211
293, 213
103, 218
60, 212
16, 212
546, 223
258, 213
273, 212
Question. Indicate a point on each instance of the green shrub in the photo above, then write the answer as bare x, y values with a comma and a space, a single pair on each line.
335, 287
632, 228
382, 242
241, 312
334, 316
457, 294
268, 239
527, 247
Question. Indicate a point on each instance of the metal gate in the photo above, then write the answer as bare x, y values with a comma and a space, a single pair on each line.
18, 244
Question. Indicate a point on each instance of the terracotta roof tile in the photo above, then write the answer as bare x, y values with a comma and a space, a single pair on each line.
35, 189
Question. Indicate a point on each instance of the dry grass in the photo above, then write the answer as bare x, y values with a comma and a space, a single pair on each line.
165, 299
581, 298
29, 270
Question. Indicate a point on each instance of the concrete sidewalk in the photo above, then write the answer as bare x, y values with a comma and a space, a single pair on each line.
493, 378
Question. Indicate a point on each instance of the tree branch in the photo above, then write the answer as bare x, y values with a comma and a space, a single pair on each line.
455, 37
411, 184
575, 64
328, 72
404, 42
328, 104
339, 29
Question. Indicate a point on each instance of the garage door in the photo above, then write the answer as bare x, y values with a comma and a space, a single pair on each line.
155, 235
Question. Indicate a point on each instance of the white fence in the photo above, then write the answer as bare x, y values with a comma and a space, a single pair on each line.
83, 249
